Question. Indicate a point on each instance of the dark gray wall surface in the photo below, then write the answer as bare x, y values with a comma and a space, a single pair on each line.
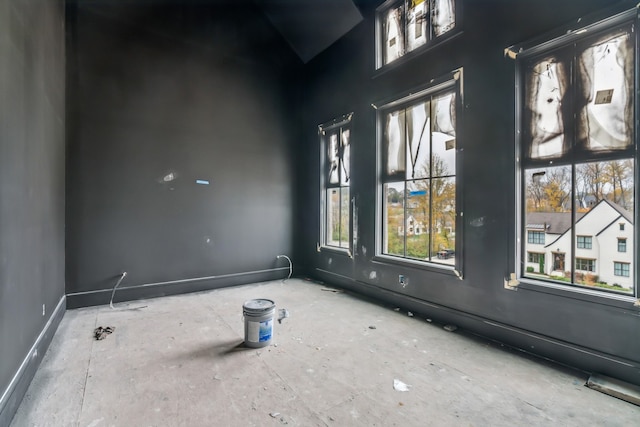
162, 94
32, 177
591, 333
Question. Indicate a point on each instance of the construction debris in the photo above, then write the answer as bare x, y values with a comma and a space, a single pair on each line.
283, 313
101, 333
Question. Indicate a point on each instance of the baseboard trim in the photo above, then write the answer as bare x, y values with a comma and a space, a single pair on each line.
555, 350
172, 287
17, 388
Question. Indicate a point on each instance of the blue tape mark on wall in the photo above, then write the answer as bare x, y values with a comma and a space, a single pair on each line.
202, 181
418, 193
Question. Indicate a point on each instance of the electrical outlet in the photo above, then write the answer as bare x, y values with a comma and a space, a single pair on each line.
43, 309
402, 280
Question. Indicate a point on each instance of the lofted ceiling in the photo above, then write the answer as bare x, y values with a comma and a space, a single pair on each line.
311, 26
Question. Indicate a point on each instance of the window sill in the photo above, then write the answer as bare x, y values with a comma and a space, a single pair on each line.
422, 265
336, 250
383, 69
583, 294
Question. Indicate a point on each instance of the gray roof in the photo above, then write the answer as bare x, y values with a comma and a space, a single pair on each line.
551, 222
625, 213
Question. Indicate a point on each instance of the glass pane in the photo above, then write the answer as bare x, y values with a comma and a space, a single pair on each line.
547, 222
604, 201
418, 132
394, 230
417, 219
443, 16
443, 220
345, 203
392, 38
395, 141
444, 135
416, 24
333, 217
333, 156
345, 172
606, 73
546, 83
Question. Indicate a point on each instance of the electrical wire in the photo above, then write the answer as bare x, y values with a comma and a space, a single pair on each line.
124, 274
290, 265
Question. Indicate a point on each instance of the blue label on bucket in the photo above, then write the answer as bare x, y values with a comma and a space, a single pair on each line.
265, 330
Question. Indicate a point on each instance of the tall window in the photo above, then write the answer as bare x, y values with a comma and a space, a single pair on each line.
418, 174
578, 148
405, 25
335, 140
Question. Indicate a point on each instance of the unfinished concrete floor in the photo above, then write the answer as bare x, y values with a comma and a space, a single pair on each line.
177, 362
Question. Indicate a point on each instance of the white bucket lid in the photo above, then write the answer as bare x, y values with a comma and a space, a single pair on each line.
258, 305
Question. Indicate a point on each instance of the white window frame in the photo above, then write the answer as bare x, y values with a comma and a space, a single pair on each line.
451, 81
338, 125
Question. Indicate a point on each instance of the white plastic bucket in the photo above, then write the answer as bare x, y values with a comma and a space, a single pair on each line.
258, 322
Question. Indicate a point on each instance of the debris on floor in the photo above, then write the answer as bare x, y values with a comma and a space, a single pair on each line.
410, 314
274, 414
450, 328
400, 386
101, 333
283, 313
335, 291
372, 327
396, 309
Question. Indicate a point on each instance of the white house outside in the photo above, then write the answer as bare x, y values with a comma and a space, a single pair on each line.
604, 246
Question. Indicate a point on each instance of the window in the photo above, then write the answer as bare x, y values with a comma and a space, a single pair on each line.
622, 245
585, 264
584, 242
621, 269
417, 149
578, 145
535, 258
405, 25
336, 207
535, 237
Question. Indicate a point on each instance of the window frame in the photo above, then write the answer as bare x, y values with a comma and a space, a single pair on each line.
325, 129
430, 43
584, 242
622, 243
601, 22
621, 270
452, 80
536, 237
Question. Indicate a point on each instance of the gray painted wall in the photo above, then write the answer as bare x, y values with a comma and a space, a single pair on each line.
161, 95
32, 187
594, 334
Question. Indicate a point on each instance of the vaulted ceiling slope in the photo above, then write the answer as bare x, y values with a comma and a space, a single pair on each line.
311, 26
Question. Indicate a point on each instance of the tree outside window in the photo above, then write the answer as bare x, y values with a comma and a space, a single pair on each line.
418, 147
578, 150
